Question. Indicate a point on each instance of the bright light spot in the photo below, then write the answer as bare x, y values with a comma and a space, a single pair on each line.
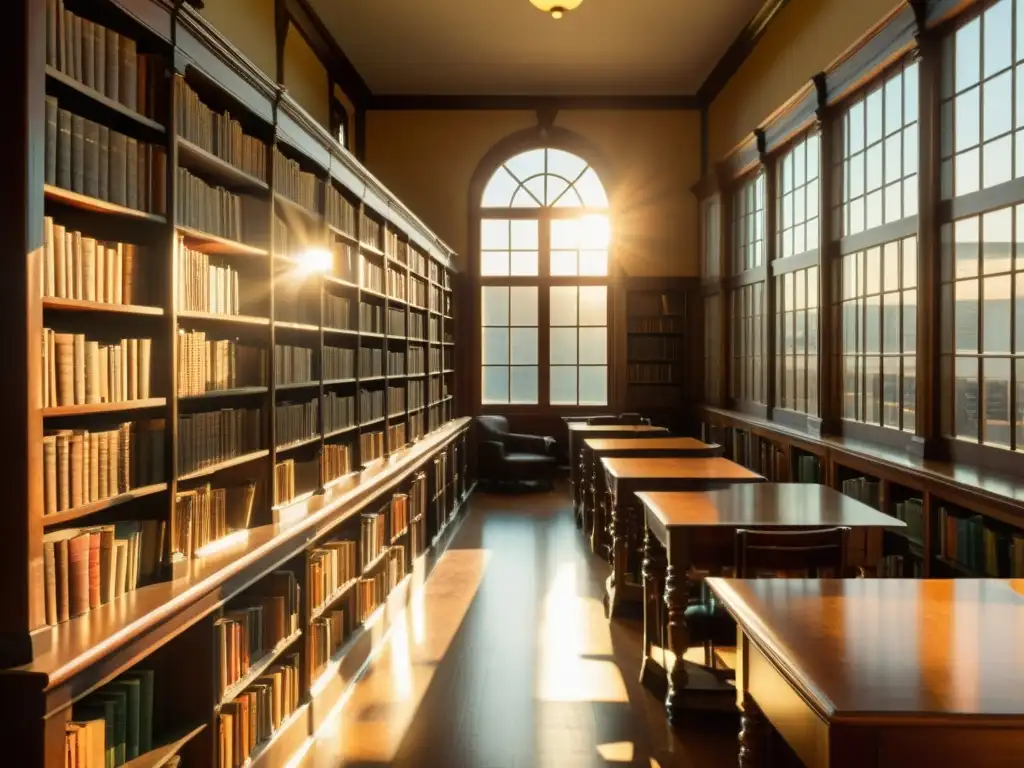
316, 261
616, 752
595, 232
233, 539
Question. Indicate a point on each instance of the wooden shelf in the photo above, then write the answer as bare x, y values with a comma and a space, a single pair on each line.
281, 324
226, 464
316, 613
298, 444
90, 408
236, 392
217, 245
62, 81
369, 379
160, 756
371, 292
399, 536
371, 334
80, 305
341, 331
370, 249
333, 382
97, 506
196, 158
340, 282
258, 668
343, 430
214, 317
290, 205
342, 234
379, 558
300, 385
86, 203
371, 422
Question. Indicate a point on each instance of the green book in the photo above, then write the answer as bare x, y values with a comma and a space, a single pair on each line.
131, 689
95, 709
145, 678
120, 700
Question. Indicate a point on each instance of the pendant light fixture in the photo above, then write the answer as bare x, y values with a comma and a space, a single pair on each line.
557, 8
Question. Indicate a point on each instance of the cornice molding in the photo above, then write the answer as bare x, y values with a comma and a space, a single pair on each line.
388, 101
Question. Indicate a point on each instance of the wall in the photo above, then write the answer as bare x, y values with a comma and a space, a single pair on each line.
805, 37
427, 158
305, 77
350, 129
249, 25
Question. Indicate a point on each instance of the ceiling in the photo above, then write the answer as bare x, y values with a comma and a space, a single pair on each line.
508, 47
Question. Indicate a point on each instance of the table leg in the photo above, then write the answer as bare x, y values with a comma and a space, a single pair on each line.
653, 570
599, 514
578, 491
677, 593
754, 735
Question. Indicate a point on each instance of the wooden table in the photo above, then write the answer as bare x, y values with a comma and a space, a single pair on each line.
624, 477
688, 531
578, 433
597, 448
867, 673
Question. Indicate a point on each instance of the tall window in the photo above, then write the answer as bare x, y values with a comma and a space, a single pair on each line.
747, 305
710, 258
544, 240
875, 207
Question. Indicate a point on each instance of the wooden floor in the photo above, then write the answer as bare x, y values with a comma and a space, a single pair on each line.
505, 660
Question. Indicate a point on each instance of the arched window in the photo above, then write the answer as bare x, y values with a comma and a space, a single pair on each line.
543, 268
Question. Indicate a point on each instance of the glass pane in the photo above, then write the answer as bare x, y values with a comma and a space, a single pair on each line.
524, 234
524, 385
593, 263
565, 164
593, 346
523, 307
595, 232
968, 54
909, 392
556, 187
591, 190
965, 316
563, 346
563, 385
494, 263
998, 37
910, 262
891, 323
535, 186
495, 384
910, 321
524, 263
965, 236
527, 164
524, 346
996, 314
494, 304
997, 234
523, 199
1018, 319
996, 168
565, 234
873, 389
571, 199
997, 400
499, 190
873, 115
998, 102
563, 305
966, 393
593, 305
594, 385
495, 346
563, 263
1019, 416
494, 234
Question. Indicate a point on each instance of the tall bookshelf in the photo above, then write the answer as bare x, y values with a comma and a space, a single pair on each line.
658, 333
248, 343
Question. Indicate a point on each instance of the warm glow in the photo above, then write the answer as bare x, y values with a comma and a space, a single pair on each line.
616, 752
595, 232
315, 261
557, 8
233, 539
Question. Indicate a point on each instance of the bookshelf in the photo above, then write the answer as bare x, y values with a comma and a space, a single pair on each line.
209, 410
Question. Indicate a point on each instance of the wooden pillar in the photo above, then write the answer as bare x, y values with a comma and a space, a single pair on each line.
768, 324
829, 329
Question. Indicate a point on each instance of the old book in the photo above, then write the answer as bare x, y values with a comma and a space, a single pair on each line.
239, 505
91, 742
102, 710
94, 466
50, 581
145, 678
62, 570
92, 159
124, 459
63, 470
60, 262
145, 360
110, 264
158, 175
103, 466
77, 154
133, 369
64, 148
99, 51
108, 565
132, 171
92, 372
151, 553
88, 269
52, 377
94, 569
76, 266
76, 45
79, 362
128, 274
64, 344
121, 565
105, 375
132, 690
88, 54
129, 83
118, 169
52, 34
50, 475
76, 469
124, 369
48, 367
50, 168
119, 274
113, 457
103, 185
78, 574
143, 161
119, 734
112, 89
69, 263
68, 43
48, 282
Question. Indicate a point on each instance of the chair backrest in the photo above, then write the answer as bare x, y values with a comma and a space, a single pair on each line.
790, 552
630, 418
493, 427
602, 420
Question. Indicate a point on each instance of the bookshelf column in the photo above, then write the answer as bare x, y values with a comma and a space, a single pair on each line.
23, 59
829, 395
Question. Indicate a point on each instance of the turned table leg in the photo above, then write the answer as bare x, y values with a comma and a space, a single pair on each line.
653, 570
754, 735
677, 591
618, 531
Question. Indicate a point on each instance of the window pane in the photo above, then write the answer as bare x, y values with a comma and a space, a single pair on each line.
524, 385
494, 263
527, 164
563, 346
499, 190
565, 164
593, 305
593, 385
997, 401
523, 305
524, 263
595, 232
591, 191
494, 234
556, 187
966, 391
909, 392
524, 346
965, 315
563, 263
563, 305
593, 263
563, 384
593, 345
495, 384
494, 304
996, 320
565, 234
495, 346
524, 234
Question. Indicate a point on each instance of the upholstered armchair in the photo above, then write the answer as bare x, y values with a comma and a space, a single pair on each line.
509, 457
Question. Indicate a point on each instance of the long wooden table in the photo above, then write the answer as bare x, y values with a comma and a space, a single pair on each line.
579, 432
697, 531
624, 477
596, 448
873, 673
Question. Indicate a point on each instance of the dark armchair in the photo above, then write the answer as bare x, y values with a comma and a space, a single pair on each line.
510, 457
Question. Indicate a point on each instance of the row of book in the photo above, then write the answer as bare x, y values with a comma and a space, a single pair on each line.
911, 512
345, 261
332, 566
435, 298
967, 540
651, 373
399, 514
82, 467
449, 359
296, 302
205, 283
433, 329
292, 478
287, 243
396, 321
396, 435
417, 362
213, 365
371, 405
371, 362
339, 412
101, 59
655, 325
114, 724
898, 566
337, 312
864, 489
373, 590
807, 468
371, 446
396, 401
655, 348
418, 262
328, 635
416, 428
84, 568
371, 276
416, 390
339, 363
257, 712
80, 371
212, 209
396, 284
340, 213
293, 365
206, 514
297, 185
369, 231
371, 318
217, 133
295, 422
85, 157
79, 267
417, 326
372, 537
206, 439
336, 461
394, 247
439, 389
396, 363
438, 415
417, 293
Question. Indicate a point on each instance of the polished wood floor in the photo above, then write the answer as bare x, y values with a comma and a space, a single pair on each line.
505, 660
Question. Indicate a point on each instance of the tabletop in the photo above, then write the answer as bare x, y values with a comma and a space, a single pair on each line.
900, 648
749, 505
615, 428
651, 443
678, 468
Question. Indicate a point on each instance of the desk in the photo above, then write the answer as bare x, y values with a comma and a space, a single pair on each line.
873, 673
697, 530
624, 477
596, 448
579, 432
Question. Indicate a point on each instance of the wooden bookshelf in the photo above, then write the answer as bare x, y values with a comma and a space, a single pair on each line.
95, 205
91, 408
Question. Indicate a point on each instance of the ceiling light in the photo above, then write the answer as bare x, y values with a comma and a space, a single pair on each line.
557, 8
